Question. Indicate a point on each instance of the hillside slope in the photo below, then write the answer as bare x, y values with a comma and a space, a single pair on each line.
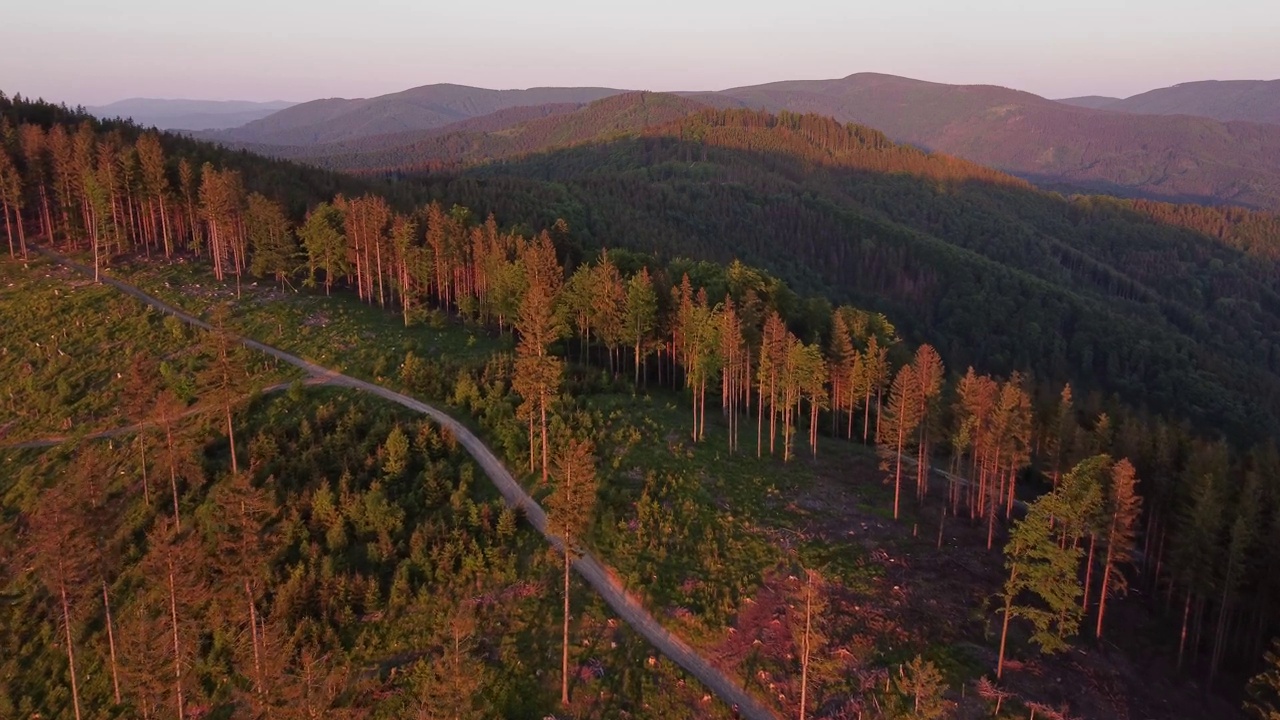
1249, 100
1176, 158
495, 136
421, 108
1174, 308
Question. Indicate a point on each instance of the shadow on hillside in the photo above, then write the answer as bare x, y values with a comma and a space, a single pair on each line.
1171, 308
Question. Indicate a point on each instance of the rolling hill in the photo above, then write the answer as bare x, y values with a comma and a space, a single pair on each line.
1178, 158
1055, 144
1248, 100
422, 108
189, 114
501, 135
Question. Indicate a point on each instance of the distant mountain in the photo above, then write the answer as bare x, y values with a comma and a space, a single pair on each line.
1249, 100
189, 114
1093, 102
495, 137
422, 108
1055, 144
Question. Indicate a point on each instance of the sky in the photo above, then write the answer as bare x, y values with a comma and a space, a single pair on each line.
92, 52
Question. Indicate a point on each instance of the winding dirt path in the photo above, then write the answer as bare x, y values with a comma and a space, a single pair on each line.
600, 577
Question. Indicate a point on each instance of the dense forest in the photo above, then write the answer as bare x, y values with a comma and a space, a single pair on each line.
1090, 496
1172, 307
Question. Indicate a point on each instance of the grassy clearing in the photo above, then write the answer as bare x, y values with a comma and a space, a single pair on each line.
368, 575
66, 346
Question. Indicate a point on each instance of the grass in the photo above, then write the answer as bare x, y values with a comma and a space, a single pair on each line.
67, 344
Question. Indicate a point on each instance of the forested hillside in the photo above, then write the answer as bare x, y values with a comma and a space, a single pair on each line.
421, 108
1172, 307
1176, 158
1251, 100
473, 142
777, 544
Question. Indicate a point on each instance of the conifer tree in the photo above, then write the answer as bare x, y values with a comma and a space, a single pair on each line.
875, 365
226, 374
446, 686
325, 244
641, 316
569, 512
901, 419
930, 374
608, 306
1244, 532
922, 686
538, 372
1197, 550
1123, 508
1042, 586
155, 185
271, 237
59, 550
11, 203
811, 638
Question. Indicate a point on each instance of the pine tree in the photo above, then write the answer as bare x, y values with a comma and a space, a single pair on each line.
227, 376
325, 244
1123, 508
570, 507
641, 315
11, 202
901, 419
538, 372
271, 235
60, 554
608, 306
1244, 534
930, 374
446, 686
875, 363
922, 686
1042, 587
811, 638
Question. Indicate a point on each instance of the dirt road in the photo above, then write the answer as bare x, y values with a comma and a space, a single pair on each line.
595, 573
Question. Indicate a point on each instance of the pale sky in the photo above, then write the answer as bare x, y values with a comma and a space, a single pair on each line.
93, 52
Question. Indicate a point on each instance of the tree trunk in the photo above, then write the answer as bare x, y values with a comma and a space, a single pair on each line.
545, 457
1102, 596
8, 229
71, 657
1088, 574
231, 437
253, 633
111, 643
1004, 632
1182, 639
804, 664
897, 477
146, 487
173, 475
564, 655
177, 653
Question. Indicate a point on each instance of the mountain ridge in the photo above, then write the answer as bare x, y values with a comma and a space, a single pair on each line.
188, 114
422, 108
